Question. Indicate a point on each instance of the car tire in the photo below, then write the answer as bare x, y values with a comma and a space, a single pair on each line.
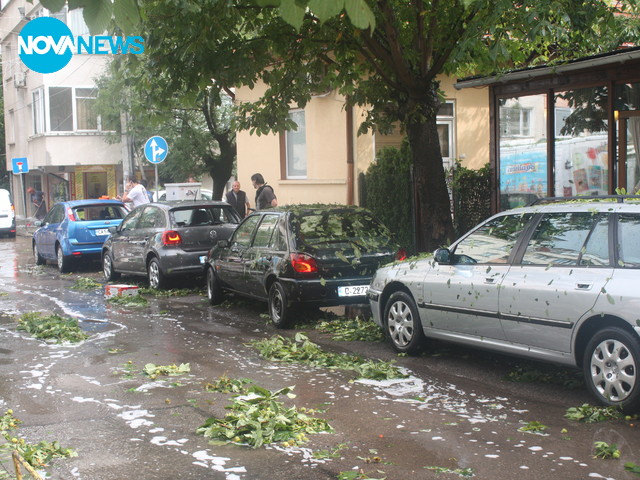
611, 362
107, 268
64, 263
279, 309
402, 324
156, 278
36, 255
214, 291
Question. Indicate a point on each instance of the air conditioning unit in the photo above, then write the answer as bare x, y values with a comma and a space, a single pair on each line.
20, 80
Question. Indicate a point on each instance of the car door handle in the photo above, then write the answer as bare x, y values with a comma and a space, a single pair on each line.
584, 286
490, 280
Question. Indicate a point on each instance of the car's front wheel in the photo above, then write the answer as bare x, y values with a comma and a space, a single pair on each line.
157, 279
279, 309
64, 263
611, 362
214, 292
402, 323
36, 255
107, 268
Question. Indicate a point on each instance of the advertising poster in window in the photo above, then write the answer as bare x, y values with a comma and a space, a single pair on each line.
523, 175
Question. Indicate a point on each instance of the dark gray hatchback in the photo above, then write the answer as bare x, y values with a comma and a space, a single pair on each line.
169, 239
301, 255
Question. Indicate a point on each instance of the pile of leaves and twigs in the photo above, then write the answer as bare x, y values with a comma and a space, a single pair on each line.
172, 292
37, 455
84, 283
225, 384
153, 371
302, 350
258, 418
51, 327
129, 300
548, 374
592, 414
350, 330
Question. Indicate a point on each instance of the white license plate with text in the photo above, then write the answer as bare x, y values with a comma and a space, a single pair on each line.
353, 291
102, 231
203, 259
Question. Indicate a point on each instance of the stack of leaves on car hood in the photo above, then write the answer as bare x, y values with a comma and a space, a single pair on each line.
259, 418
301, 349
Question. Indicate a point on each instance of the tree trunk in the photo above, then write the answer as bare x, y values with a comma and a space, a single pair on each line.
434, 225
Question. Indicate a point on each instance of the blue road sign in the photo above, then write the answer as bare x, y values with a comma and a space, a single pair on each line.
156, 149
20, 165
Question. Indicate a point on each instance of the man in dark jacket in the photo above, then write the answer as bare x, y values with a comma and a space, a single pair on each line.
265, 196
237, 199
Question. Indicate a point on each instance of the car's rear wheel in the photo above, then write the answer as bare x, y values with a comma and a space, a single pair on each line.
611, 362
214, 292
36, 255
157, 279
107, 268
279, 309
402, 323
64, 263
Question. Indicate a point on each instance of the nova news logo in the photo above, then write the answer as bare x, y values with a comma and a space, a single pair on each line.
46, 45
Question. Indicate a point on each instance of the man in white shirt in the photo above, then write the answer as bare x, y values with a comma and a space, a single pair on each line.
136, 194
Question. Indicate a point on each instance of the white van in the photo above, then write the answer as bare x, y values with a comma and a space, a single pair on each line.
7, 215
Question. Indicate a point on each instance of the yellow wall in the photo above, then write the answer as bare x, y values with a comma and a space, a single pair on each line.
327, 146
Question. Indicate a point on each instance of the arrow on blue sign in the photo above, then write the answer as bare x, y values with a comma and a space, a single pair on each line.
156, 149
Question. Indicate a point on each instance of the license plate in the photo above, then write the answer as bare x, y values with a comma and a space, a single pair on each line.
203, 259
354, 291
102, 231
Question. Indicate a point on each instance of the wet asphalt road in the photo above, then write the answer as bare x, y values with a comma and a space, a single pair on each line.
455, 411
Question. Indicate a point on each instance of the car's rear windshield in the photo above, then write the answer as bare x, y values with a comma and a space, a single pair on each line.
199, 215
99, 212
328, 228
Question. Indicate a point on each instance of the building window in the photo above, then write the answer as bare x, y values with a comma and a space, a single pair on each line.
60, 109
296, 147
68, 109
37, 108
85, 108
515, 121
522, 150
74, 19
445, 123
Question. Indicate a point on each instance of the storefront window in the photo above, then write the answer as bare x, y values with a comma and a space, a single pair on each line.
523, 150
581, 144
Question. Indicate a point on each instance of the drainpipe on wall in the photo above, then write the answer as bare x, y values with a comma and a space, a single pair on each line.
350, 155
127, 168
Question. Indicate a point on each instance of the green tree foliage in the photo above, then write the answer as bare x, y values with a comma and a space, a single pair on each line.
196, 124
300, 47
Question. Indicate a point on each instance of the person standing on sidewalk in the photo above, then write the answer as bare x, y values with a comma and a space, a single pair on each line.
265, 196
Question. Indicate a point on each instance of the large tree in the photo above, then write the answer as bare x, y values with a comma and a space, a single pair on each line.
384, 54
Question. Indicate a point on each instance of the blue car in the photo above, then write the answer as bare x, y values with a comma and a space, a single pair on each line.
74, 231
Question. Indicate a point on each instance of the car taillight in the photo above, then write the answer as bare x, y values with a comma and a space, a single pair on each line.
303, 263
401, 255
70, 215
171, 237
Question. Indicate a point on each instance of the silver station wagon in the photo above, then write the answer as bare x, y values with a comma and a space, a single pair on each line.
557, 282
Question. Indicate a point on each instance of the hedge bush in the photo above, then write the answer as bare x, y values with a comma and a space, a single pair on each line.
387, 192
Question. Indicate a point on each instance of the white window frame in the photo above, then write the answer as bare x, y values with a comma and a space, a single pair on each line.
301, 130
521, 131
450, 122
38, 111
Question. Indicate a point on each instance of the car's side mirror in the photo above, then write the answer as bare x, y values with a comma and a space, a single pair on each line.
442, 256
38, 223
112, 229
223, 243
